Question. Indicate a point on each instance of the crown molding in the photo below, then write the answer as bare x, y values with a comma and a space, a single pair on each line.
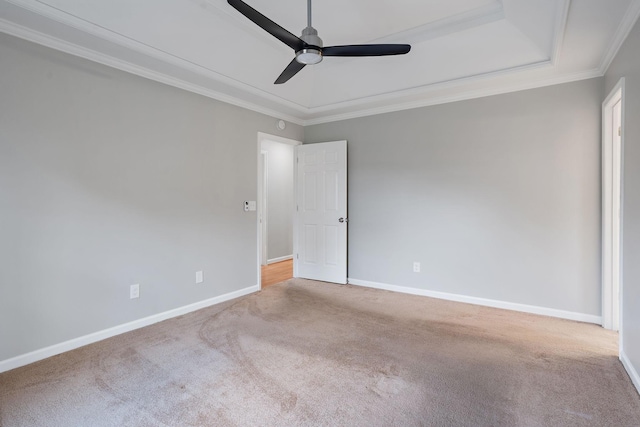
302, 115
559, 31
463, 96
628, 21
424, 90
117, 39
91, 55
79, 51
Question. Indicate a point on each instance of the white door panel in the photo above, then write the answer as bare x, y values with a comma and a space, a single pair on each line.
321, 239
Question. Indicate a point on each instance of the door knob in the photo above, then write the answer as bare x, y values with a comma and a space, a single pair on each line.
343, 220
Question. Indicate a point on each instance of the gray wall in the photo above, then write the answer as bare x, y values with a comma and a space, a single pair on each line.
107, 180
280, 199
627, 64
497, 197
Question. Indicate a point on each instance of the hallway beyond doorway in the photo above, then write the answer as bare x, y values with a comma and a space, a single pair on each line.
277, 272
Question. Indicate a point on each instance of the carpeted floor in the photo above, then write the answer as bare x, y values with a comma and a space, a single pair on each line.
308, 353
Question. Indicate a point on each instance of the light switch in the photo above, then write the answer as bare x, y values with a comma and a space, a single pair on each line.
250, 206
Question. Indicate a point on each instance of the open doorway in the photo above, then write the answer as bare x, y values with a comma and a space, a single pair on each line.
276, 204
612, 146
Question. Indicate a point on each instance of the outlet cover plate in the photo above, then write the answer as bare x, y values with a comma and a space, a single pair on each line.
134, 291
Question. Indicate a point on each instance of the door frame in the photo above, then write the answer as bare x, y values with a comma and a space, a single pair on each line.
263, 203
262, 194
612, 260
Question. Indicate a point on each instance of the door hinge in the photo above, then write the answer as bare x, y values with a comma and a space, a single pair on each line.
619, 130
297, 256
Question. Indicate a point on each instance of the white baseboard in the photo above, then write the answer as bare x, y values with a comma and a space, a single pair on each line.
43, 353
581, 317
633, 374
279, 259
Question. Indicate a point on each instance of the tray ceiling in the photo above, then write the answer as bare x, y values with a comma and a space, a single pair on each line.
460, 49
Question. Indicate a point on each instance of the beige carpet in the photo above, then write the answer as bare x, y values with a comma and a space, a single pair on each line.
308, 353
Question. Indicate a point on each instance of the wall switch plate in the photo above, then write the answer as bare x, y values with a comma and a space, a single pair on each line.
134, 291
416, 267
250, 205
199, 277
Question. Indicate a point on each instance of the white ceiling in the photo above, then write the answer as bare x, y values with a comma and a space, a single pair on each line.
460, 49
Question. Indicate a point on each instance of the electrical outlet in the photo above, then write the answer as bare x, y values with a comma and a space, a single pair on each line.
416, 267
199, 277
134, 291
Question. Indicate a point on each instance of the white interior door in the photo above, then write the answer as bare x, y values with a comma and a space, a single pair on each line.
321, 212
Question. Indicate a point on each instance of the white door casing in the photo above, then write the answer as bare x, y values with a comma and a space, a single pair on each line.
321, 212
612, 146
616, 181
263, 204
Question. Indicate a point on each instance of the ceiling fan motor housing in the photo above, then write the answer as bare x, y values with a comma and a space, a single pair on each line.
313, 53
310, 36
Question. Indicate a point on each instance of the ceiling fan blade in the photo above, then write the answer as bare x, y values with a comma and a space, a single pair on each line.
291, 70
268, 25
366, 50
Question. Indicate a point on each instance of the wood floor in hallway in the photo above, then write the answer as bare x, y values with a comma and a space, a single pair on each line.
277, 272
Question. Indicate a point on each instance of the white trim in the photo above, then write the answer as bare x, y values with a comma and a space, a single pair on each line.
43, 353
110, 61
426, 89
302, 115
628, 366
279, 259
621, 335
91, 55
267, 137
628, 21
611, 267
296, 253
263, 205
463, 96
562, 16
580, 317
68, 19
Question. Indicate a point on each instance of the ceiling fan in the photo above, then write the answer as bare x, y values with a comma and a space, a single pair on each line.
308, 47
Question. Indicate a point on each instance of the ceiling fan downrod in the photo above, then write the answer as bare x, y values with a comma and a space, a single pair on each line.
311, 54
